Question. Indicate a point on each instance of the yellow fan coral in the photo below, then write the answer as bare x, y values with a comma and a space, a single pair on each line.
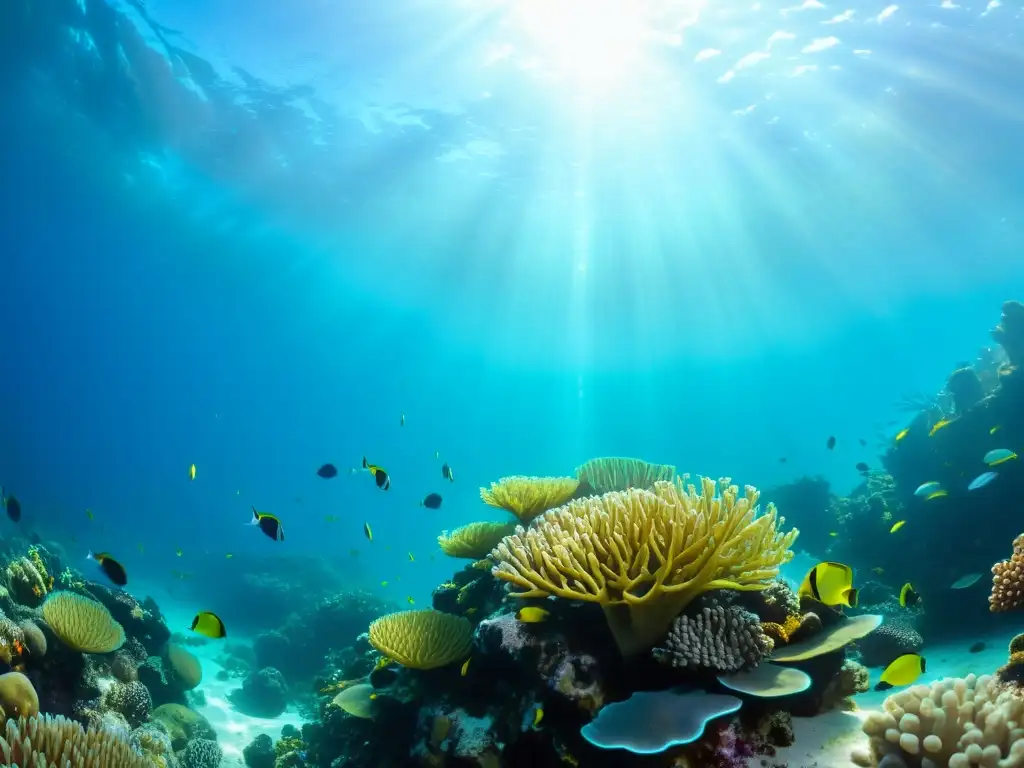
527, 497
614, 473
474, 541
644, 555
54, 740
422, 639
82, 624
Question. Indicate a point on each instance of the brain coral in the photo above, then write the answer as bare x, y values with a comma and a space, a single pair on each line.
422, 639
35, 640
18, 696
185, 665
717, 638
82, 624
895, 637
645, 555
474, 541
201, 753
130, 699
46, 740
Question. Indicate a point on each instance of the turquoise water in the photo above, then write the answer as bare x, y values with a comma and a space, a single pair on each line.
504, 234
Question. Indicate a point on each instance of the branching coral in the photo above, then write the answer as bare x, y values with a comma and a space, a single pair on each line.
956, 722
1008, 580
645, 555
28, 578
82, 624
716, 638
422, 639
527, 497
54, 740
474, 541
614, 473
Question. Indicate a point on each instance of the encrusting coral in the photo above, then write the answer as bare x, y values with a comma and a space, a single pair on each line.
475, 540
46, 740
528, 497
645, 555
614, 473
717, 638
82, 624
955, 722
422, 639
1008, 580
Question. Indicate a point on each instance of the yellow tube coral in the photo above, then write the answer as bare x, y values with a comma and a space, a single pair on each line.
422, 639
474, 541
527, 497
614, 473
644, 555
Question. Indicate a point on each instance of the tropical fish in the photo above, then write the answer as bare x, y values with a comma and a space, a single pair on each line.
410, 601
532, 615
998, 456
903, 670
330, 518
367, 532
11, 505
112, 569
940, 424
908, 597
465, 666
831, 442
402, 423
926, 489
862, 467
209, 625
966, 581
538, 716
192, 472
411, 558
327, 471
267, 523
830, 583
896, 526
942, 493
383, 583
447, 474
902, 433
832, 533
978, 647
982, 480
178, 552
89, 514
228, 556
379, 475
995, 429
431, 501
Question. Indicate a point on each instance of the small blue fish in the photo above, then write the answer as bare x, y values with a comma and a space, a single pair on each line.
927, 489
982, 480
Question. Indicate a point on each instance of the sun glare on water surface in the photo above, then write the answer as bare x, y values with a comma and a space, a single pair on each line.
593, 42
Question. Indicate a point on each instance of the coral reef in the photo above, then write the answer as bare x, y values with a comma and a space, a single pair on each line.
716, 638
45, 740
956, 722
132, 700
264, 693
590, 550
895, 637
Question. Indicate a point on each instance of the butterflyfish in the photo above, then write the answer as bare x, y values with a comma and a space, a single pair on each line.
209, 625
447, 474
431, 501
903, 670
532, 615
11, 505
379, 475
926, 489
908, 596
830, 583
112, 569
327, 471
267, 523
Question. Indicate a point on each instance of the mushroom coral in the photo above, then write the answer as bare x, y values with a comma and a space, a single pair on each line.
644, 555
